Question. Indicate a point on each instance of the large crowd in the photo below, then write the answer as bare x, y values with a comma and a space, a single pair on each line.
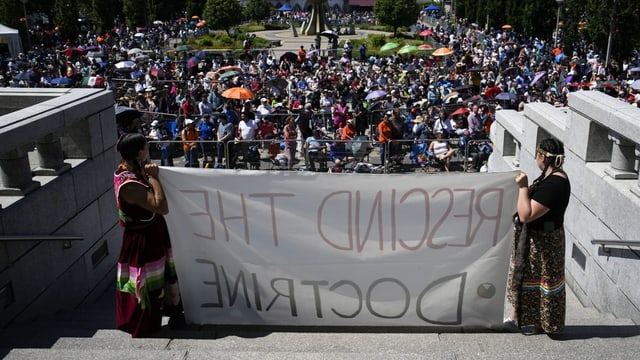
455, 95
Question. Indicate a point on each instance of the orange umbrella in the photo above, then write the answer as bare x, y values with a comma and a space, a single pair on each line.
195, 17
442, 52
506, 26
238, 93
201, 23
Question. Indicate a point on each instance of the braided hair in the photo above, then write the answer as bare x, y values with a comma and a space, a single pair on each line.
553, 152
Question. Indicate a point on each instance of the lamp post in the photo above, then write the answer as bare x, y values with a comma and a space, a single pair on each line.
26, 23
560, 2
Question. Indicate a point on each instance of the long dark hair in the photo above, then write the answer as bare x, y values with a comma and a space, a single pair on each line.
129, 145
553, 152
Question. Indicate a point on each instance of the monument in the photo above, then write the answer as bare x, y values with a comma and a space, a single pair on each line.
317, 21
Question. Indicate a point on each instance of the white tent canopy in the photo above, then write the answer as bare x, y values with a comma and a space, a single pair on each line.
11, 37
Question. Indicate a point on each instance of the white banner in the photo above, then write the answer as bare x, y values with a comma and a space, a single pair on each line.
302, 248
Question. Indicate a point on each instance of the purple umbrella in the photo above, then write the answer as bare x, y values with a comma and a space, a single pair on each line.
538, 76
506, 96
375, 94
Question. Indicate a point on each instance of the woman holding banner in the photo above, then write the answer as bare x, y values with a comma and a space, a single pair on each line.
146, 280
536, 286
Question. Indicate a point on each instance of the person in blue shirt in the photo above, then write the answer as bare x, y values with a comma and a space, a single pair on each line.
207, 134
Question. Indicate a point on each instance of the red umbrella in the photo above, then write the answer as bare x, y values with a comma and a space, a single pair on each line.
461, 111
426, 32
157, 72
425, 47
193, 62
70, 51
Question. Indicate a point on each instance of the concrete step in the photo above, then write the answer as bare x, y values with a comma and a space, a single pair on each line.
88, 333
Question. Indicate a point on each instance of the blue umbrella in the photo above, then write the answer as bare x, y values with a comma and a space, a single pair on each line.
285, 7
64, 81
136, 74
506, 96
432, 8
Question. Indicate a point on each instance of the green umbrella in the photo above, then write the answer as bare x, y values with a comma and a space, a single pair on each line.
389, 46
407, 49
228, 74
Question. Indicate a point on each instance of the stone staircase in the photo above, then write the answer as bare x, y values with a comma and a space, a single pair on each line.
88, 333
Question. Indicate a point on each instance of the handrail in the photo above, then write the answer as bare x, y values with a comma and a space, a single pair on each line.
39, 237
605, 243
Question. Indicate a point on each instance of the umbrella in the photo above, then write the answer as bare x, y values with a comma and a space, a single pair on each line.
375, 94
445, 51
157, 22
506, 26
181, 48
329, 34
451, 95
134, 51
407, 49
193, 62
289, 56
426, 47
230, 67
475, 69
635, 85
125, 65
432, 8
426, 32
389, 46
311, 53
211, 75
201, 23
125, 115
537, 77
461, 111
139, 34
73, 51
285, 7
157, 72
238, 93
506, 96
136, 74
635, 69
278, 82
228, 74
64, 81
462, 88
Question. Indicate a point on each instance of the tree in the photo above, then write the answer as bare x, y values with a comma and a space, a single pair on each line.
257, 10
222, 14
396, 13
65, 16
135, 13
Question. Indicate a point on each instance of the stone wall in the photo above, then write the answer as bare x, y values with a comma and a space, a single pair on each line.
59, 238
601, 137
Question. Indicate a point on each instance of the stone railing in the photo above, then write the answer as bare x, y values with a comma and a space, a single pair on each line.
58, 221
601, 136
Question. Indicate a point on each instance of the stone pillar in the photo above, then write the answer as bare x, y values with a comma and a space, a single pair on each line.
636, 190
622, 158
51, 157
15, 173
516, 156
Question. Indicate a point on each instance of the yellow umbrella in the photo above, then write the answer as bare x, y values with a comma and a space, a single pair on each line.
445, 51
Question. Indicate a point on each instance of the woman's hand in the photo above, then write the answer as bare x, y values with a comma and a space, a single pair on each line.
522, 180
151, 170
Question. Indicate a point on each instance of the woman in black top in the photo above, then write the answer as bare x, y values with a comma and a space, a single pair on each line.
536, 287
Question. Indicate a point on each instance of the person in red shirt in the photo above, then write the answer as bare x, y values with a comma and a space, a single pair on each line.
491, 91
187, 107
302, 54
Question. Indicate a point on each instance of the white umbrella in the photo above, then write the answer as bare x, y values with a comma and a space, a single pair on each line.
125, 65
134, 51
635, 85
157, 22
139, 34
